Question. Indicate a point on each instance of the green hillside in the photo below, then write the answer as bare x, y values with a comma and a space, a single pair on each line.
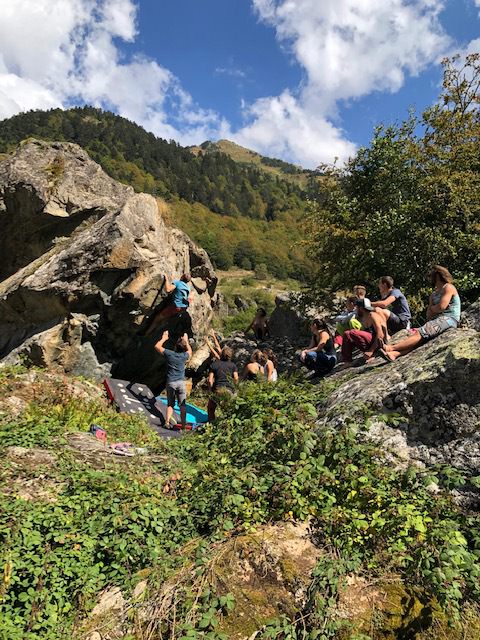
273, 166
243, 214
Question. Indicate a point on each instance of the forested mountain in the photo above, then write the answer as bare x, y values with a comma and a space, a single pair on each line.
227, 190
303, 178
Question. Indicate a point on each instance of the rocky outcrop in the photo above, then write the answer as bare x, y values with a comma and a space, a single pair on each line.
286, 320
423, 408
84, 258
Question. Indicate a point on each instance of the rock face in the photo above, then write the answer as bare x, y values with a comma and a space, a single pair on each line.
83, 258
285, 320
424, 407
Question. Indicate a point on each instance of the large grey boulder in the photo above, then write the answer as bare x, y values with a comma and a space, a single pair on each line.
85, 258
287, 321
422, 408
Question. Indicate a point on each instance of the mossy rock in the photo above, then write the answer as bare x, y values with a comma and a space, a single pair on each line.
386, 611
268, 573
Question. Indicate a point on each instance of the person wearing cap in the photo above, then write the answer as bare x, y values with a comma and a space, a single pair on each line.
372, 336
399, 316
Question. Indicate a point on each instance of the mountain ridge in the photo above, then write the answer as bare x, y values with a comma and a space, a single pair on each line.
248, 216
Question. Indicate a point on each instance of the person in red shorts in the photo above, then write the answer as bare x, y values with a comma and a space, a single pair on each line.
372, 336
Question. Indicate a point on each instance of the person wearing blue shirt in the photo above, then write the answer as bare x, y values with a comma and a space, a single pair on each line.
179, 292
399, 314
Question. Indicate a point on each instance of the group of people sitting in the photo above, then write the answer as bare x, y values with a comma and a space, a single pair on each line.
368, 326
224, 376
364, 325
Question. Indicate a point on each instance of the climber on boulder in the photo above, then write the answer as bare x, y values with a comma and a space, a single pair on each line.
179, 299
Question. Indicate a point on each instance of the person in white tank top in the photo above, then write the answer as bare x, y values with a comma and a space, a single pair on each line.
271, 372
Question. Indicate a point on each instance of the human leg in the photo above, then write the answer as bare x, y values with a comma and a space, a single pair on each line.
181, 395
211, 407
169, 311
310, 359
355, 338
170, 404
393, 351
324, 364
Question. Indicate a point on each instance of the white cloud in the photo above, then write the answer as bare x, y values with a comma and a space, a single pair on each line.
60, 52
282, 127
347, 48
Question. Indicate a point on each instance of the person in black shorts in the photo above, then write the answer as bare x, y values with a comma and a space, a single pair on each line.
222, 379
399, 315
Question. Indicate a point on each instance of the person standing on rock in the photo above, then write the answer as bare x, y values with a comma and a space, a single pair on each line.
443, 313
399, 316
176, 361
180, 298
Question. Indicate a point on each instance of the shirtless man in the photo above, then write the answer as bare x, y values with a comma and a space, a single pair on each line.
372, 336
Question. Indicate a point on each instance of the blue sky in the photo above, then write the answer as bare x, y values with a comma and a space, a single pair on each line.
304, 80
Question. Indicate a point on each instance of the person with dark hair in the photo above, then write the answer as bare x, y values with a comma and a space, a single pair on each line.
271, 372
176, 361
259, 324
443, 313
370, 337
179, 300
222, 379
399, 316
320, 355
255, 369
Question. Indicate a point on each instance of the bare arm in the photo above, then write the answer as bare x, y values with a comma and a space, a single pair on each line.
215, 341
235, 377
383, 304
448, 292
186, 342
269, 370
169, 286
211, 380
321, 343
159, 345
215, 352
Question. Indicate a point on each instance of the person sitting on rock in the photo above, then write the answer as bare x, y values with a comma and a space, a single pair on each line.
399, 316
254, 370
372, 336
180, 298
359, 291
320, 355
259, 324
443, 313
222, 379
347, 320
176, 361
271, 372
